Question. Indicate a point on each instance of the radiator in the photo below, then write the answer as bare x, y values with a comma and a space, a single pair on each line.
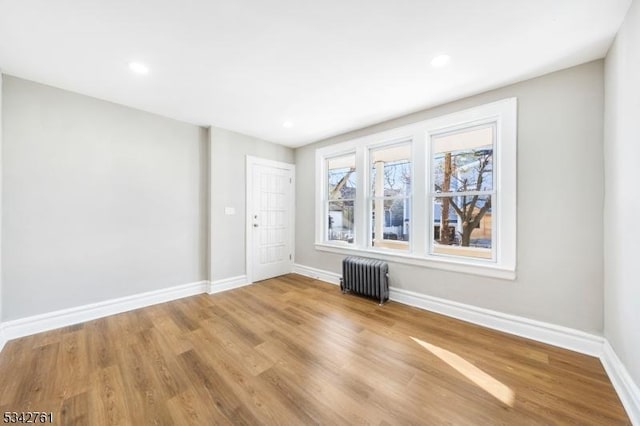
367, 277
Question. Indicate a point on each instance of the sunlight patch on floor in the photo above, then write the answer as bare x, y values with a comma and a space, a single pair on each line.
492, 386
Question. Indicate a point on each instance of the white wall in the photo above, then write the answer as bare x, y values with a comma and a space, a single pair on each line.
229, 152
560, 195
622, 202
100, 201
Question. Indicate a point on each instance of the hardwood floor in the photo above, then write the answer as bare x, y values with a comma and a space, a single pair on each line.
292, 350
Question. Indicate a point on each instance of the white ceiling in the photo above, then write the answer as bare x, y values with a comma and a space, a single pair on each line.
328, 66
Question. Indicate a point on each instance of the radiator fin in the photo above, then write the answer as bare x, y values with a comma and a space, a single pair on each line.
368, 277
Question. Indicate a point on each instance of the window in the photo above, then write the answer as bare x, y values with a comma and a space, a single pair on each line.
439, 193
463, 192
390, 196
341, 197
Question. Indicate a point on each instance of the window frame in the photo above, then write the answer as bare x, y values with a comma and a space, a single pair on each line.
432, 194
419, 135
326, 201
370, 197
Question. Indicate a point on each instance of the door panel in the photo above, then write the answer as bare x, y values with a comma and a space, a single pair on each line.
271, 214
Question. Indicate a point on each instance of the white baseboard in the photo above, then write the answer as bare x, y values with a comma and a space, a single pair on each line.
62, 318
65, 317
228, 284
3, 340
318, 274
627, 389
564, 337
552, 334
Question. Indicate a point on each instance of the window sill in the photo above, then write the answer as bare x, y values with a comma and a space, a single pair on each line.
453, 265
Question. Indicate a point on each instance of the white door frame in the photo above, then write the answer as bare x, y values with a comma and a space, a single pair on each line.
257, 161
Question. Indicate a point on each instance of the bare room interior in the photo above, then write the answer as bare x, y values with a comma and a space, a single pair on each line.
340, 212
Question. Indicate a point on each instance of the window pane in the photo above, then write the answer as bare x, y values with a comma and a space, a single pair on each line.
391, 171
390, 223
463, 161
462, 226
341, 177
341, 221
390, 193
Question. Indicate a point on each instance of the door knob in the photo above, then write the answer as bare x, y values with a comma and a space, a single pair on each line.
255, 225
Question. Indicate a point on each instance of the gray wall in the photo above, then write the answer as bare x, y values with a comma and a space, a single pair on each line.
560, 195
100, 201
622, 205
1, 333
228, 190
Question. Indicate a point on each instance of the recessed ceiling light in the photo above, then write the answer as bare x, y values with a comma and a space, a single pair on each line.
440, 60
138, 68
287, 124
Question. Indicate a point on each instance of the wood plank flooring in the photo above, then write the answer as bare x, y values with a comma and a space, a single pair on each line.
292, 350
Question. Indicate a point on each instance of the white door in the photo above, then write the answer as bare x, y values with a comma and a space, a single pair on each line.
270, 221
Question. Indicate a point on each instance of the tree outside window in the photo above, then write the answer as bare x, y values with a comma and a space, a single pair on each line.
463, 192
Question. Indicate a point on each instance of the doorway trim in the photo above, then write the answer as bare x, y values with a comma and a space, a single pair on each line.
248, 250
